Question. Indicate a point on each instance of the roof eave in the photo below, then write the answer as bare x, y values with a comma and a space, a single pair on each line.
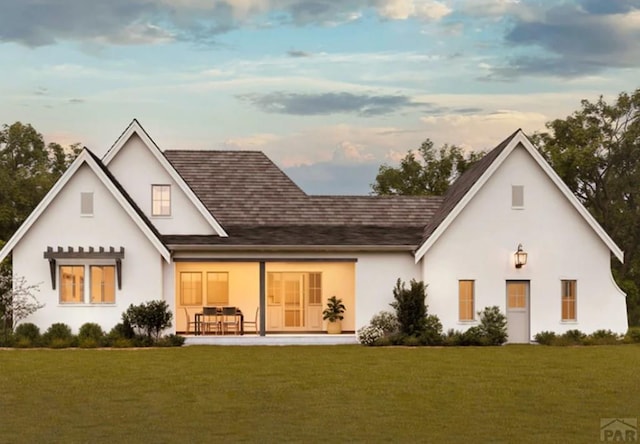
201, 247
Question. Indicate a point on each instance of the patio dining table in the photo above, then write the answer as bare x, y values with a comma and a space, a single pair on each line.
200, 315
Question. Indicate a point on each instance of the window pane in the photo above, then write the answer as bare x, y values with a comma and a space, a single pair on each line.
315, 288
516, 297
103, 284
517, 196
72, 284
161, 200
569, 300
465, 300
86, 204
274, 288
190, 288
217, 288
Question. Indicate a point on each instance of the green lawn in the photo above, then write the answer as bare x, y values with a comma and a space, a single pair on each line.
317, 393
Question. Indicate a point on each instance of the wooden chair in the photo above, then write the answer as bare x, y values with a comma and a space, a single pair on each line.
210, 320
253, 324
230, 320
190, 322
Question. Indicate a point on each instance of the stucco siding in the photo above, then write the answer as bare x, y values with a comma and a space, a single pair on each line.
480, 245
110, 226
136, 168
376, 276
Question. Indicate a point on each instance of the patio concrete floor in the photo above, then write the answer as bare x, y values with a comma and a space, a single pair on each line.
273, 339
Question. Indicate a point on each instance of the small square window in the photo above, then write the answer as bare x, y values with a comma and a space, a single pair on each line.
86, 204
517, 196
161, 200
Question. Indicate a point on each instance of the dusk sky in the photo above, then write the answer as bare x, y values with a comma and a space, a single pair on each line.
329, 89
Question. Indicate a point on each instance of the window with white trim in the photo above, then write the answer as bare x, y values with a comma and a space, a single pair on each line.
466, 295
569, 300
72, 284
103, 284
86, 204
161, 200
517, 196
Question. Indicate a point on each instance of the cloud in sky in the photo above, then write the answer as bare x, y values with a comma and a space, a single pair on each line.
133, 22
364, 105
585, 37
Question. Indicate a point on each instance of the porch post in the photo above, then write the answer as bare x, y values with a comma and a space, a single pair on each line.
263, 298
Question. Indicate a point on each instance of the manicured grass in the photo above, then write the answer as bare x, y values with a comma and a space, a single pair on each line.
311, 394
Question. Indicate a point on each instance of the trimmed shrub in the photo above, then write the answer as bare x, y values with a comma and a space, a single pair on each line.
58, 335
575, 337
545, 337
91, 331
28, 331
452, 337
602, 337
432, 334
386, 321
171, 341
411, 341
410, 307
370, 334
473, 336
493, 325
149, 318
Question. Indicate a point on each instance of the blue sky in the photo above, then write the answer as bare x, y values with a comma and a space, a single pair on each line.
328, 89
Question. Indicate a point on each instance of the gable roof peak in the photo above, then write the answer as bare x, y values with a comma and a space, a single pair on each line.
466, 187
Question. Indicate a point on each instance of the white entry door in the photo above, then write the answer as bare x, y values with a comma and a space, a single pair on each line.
518, 312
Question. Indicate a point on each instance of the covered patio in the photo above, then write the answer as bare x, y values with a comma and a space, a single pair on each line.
282, 295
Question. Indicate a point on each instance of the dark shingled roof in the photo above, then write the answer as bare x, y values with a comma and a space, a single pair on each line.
462, 186
259, 205
247, 188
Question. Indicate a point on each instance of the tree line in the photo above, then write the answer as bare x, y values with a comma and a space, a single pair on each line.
596, 152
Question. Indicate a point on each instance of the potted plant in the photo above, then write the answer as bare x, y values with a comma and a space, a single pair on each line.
333, 314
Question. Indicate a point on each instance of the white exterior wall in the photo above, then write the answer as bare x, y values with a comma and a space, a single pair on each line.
61, 225
136, 168
376, 277
481, 242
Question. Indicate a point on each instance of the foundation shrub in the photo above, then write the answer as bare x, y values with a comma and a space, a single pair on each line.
59, 335
493, 325
91, 332
171, 341
370, 334
149, 318
432, 334
386, 321
545, 337
410, 307
602, 337
27, 331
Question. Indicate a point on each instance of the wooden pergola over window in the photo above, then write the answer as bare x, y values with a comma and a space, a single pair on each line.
80, 253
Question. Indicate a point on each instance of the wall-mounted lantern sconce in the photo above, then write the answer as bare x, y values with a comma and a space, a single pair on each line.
520, 256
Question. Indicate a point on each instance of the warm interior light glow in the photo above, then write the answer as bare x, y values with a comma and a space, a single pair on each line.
521, 257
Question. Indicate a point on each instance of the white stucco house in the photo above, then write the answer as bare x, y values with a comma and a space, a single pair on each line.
201, 228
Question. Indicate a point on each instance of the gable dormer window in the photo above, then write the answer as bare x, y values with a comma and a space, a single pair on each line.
517, 197
86, 204
161, 200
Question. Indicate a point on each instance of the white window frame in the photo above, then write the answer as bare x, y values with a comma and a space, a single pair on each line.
161, 201
514, 189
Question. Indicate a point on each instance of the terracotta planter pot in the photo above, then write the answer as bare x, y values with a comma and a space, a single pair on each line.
334, 328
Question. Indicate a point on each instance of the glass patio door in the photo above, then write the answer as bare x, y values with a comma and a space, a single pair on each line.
293, 300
